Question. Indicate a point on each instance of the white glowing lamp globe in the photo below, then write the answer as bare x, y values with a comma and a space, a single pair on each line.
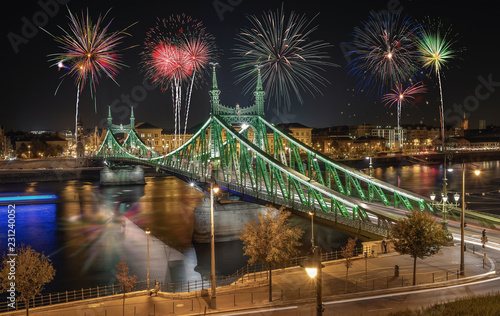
312, 272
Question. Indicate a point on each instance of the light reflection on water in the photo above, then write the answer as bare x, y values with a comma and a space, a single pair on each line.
83, 232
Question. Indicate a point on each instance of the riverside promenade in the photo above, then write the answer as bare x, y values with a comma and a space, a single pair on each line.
373, 275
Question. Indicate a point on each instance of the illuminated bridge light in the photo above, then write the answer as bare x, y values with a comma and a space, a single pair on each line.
24, 198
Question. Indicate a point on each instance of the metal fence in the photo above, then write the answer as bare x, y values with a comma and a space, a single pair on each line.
242, 275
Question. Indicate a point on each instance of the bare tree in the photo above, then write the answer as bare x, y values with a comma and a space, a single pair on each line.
25, 273
125, 281
347, 252
418, 235
272, 241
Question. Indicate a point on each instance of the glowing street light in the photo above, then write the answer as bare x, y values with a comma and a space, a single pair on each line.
148, 232
477, 172
213, 191
313, 267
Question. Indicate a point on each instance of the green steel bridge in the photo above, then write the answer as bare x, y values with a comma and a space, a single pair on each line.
248, 155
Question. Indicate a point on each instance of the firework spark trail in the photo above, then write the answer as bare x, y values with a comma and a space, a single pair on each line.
176, 55
88, 52
76, 116
188, 102
290, 61
385, 52
435, 52
402, 96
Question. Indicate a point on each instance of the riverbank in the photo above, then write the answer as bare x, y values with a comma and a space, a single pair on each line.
61, 169
422, 159
55, 169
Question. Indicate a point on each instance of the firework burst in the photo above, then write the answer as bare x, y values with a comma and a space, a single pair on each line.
289, 60
400, 96
435, 46
89, 51
176, 56
384, 52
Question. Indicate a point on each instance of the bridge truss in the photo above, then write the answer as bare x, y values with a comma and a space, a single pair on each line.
247, 154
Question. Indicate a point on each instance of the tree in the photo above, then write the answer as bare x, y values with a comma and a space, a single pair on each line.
418, 235
272, 241
347, 252
26, 273
125, 281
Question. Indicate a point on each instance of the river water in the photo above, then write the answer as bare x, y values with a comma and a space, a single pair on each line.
89, 228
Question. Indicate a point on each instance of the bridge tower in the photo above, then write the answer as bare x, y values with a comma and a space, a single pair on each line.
259, 94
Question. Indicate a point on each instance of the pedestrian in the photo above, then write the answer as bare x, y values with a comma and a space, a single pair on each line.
384, 245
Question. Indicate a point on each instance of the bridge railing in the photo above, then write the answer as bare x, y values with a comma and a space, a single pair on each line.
333, 217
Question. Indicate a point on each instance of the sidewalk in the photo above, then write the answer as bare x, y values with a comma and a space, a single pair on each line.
291, 286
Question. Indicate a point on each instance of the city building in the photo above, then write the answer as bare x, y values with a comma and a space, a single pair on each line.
4, 148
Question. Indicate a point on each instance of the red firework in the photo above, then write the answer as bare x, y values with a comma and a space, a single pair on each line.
170, 63
177, 50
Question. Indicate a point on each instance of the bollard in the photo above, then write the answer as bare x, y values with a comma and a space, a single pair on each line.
396, 271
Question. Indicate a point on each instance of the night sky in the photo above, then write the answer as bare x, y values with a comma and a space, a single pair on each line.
29, 103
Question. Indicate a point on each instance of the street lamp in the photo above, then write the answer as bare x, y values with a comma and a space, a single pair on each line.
462, 221
312, 228
313, 267
213, 190
147, 235
371, 165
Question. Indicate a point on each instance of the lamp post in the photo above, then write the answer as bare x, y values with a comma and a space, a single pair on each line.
147, 234
213, 190
312, 228
462, 218
370, 167
313, 267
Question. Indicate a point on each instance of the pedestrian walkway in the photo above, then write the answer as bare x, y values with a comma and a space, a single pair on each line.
368, 276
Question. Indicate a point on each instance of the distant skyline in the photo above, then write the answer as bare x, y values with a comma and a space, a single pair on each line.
29, 103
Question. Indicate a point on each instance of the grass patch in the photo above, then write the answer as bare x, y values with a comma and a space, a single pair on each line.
488, 305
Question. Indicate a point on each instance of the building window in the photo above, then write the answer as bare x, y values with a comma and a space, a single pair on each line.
156, 135
143, 135
149, 134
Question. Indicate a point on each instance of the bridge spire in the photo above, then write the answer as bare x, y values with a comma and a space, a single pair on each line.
109, 117
132, 118
259, 94
214, 92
